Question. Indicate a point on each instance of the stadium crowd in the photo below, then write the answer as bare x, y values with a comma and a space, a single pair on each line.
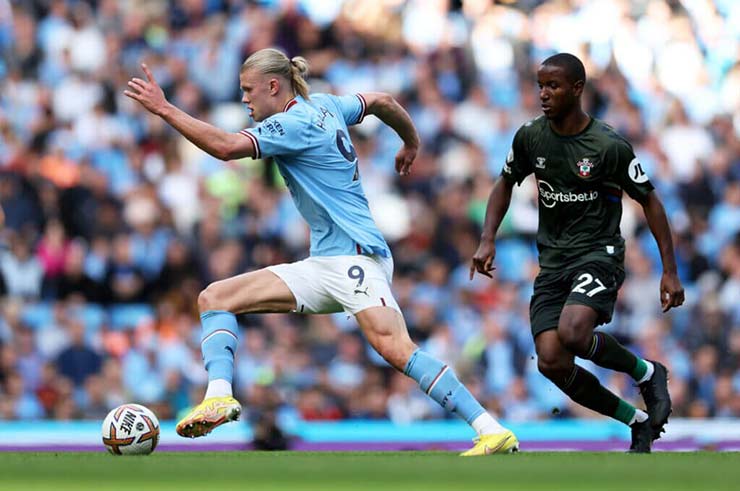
113, 222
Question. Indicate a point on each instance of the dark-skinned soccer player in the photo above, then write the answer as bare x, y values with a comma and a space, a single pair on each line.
582, 167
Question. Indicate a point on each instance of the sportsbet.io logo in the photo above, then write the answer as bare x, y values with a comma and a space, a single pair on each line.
549, 197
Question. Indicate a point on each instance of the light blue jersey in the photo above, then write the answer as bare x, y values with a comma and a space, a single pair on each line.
310, 143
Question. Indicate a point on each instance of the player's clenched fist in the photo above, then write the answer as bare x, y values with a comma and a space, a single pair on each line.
147, 92
671, 291
405, 158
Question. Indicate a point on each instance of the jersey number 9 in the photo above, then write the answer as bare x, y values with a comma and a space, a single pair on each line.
348, 151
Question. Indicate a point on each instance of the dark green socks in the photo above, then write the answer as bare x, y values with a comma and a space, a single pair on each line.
606, 352
585, 389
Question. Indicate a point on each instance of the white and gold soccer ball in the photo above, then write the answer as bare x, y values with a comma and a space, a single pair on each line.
130, 429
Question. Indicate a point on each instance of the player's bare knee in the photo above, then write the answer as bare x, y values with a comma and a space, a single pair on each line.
546, 366
576, 337
553, 368
208, 299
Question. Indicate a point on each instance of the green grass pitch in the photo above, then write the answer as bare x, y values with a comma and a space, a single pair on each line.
402, 471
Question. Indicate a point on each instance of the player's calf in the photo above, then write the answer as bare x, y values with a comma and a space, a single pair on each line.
386, 331
439, 382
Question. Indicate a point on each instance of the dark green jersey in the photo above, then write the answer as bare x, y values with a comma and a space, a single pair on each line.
580, 180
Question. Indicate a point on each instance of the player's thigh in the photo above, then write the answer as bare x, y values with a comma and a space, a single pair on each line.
385, 330
256, 291
306, 281
576, 327
548, 298
359, 282
362, 285
595, 285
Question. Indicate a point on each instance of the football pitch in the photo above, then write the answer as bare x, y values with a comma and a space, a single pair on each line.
369, 470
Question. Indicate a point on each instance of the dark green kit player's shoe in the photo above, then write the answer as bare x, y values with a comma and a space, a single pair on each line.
657, 399
642, 437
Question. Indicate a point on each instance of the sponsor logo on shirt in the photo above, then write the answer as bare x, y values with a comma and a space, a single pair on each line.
636, 173
273, 127
550, 197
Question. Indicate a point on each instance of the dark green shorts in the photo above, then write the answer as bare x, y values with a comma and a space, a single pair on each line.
594, 284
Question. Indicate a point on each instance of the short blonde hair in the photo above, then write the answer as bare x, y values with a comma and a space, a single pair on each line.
271, 60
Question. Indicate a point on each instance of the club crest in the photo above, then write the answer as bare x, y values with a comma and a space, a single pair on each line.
584, 167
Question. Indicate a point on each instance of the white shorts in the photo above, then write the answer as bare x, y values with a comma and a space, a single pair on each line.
325, 285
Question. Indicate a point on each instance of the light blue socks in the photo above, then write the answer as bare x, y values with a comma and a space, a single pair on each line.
439, 382
218, 343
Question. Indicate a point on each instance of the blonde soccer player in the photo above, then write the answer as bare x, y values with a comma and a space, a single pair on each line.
350, 266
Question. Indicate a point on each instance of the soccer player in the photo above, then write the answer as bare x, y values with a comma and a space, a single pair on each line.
582, 166
350, 265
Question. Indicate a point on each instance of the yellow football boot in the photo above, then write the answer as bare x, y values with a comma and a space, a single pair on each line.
207, 415
504, 442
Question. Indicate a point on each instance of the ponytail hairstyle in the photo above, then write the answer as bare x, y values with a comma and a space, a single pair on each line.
271, 60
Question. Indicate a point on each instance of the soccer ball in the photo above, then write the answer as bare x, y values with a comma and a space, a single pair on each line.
130, 429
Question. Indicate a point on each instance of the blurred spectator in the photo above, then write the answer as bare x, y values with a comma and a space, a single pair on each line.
52, 251
51, 387
78, 361
28, 360
517, 405
314, 405
346, 372
22, 272
124, 280
24, 403
406, 403
93, 401
74, 280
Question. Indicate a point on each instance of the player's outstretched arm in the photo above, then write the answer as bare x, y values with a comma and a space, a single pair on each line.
217, 142
390, 112
671, 291
498, 203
